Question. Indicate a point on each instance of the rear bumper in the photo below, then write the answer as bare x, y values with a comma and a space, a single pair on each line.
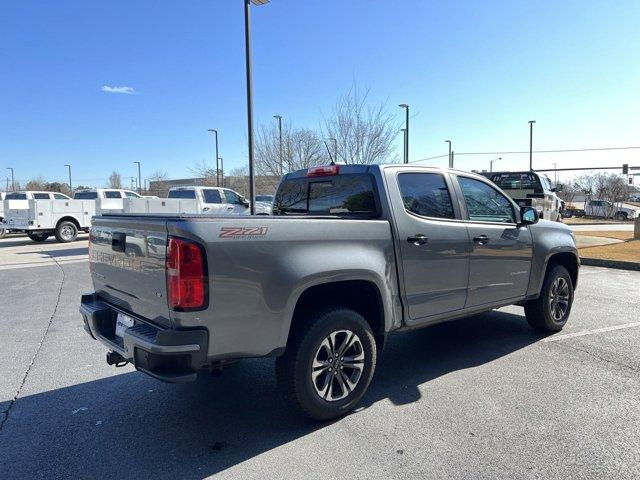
169, 355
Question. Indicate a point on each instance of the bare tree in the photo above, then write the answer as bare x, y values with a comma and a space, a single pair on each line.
205, 173
36, 184
569, 192
238, 180
365, 133
158, 183
605, 186
115, 180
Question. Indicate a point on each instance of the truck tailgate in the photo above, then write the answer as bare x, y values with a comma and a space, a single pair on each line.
128, 265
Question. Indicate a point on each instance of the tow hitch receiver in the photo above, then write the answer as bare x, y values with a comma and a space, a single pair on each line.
114, 358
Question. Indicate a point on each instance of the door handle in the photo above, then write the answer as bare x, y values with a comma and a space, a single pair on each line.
229, 208
481, 240
417, 239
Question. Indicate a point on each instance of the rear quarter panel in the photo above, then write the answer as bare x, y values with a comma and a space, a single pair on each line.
259, 266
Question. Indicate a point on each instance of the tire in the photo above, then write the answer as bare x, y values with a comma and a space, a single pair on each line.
38, 237
548, 312
302, 385
621, 216
3, 232
66, 232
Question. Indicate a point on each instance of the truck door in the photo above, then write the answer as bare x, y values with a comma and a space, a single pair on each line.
501, 252
213, 203
235, 202
433, 242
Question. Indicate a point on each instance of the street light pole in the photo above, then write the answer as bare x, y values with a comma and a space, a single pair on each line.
13, 181
215, 132
531, 122
139, 179
70, 187
335, 149
221, 171
406, 133
247, 48
492, 161
450, 160
279, 118
555, 174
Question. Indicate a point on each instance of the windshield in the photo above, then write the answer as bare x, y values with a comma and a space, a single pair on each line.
344, 195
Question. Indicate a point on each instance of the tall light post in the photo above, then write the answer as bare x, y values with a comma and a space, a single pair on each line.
221, 170
404, 142
450, 160
139, 179
13, 181
491, 162
70, 187
215, 132
406, 132
335, 148
531, 122
247, 48
279, 119
555, 174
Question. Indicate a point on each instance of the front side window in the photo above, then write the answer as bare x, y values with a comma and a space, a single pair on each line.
426, 194
232, 197
112, 194
41, 196
485, 203
211, 196
131, 194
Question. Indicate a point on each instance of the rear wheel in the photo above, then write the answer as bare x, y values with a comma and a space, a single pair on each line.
66, 232
328, 364
621, 216
38, 236
3, 231
550, 311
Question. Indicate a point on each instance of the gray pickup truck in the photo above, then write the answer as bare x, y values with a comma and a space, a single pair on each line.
350, 254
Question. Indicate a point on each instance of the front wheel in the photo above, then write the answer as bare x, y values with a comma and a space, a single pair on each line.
550, 311
621, 216
3, 231
328, 364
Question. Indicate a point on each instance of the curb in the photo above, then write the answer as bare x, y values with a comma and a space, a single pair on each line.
599, 262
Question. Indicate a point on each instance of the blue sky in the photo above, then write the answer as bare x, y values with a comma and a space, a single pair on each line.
474, 72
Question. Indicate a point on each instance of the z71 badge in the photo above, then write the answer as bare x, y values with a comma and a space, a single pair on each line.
243, 232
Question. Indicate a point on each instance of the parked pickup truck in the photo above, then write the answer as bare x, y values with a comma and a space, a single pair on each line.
3, 230
351, 254
605, 209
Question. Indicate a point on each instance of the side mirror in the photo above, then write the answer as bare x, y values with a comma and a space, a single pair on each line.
559, 187
528, 216
244, 202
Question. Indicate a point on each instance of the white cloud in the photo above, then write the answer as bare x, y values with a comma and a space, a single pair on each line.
125, 90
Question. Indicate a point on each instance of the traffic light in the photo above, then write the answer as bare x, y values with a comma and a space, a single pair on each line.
625, 168
630, 180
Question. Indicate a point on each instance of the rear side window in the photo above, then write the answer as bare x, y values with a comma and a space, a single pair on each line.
85, 195
348, 195
59, 196
16, 196
187, 194
131, 195
41, 196
211, 196
426, 194
112, 194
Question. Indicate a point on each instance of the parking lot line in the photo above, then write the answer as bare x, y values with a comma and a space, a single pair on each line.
591, 332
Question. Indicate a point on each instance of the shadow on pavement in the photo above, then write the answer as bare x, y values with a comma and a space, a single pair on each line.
62, 252
131, 426
26, 241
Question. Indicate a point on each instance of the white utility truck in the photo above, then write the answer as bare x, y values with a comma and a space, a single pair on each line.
42, 214
197, 199
3, 231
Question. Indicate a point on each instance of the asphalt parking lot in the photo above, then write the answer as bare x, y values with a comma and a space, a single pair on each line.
484, 397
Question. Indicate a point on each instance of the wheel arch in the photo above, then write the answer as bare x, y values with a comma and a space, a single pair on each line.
569, 261
361, 295
69, 218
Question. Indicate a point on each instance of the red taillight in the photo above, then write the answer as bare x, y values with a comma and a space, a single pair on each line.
323, 171
186, 275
